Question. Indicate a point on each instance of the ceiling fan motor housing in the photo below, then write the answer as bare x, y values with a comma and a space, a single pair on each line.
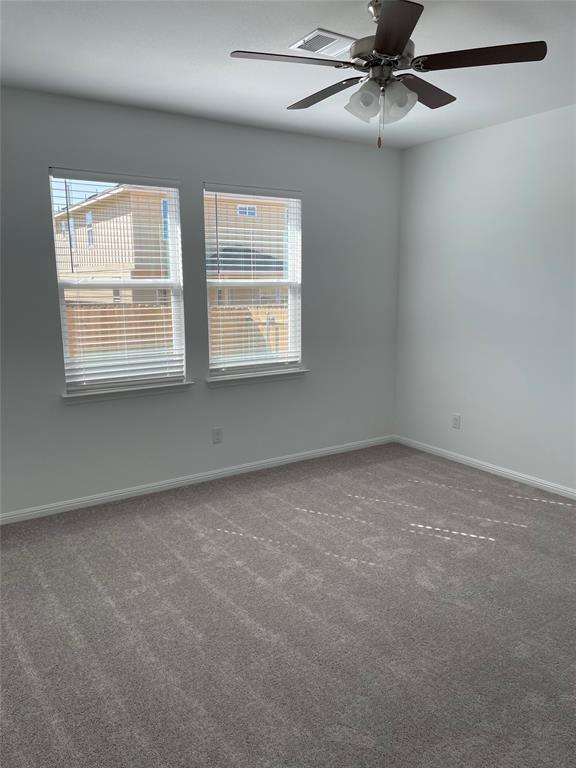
362, 51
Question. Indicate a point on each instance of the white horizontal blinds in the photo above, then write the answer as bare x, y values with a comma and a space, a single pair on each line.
253, 268
119, 265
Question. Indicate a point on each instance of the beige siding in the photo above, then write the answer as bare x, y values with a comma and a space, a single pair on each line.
126, 242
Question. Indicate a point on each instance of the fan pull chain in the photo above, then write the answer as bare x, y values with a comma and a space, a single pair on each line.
381, 119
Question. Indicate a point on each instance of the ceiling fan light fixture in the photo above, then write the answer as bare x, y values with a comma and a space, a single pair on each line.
398, 101
365, 102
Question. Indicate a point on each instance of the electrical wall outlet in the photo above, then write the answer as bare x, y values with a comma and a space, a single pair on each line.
217, 435
456, 421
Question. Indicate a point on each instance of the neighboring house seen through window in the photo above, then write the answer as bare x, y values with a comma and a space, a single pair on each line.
121, 302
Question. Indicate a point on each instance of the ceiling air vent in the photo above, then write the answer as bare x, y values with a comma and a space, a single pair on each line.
324, 42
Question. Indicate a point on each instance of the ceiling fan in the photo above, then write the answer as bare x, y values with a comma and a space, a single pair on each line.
379, 57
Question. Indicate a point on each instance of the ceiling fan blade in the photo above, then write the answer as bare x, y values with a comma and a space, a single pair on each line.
290, 59
324, 93
395, 25
480, 57
428, 94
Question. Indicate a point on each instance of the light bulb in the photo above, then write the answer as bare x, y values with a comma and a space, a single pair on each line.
398, 101
365, 102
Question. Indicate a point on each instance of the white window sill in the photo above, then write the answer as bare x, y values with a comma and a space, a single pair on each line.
246, 376
107, 394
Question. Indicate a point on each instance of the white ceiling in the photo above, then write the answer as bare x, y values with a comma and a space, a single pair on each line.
174, 56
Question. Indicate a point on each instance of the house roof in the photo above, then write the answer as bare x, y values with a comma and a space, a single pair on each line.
99, 196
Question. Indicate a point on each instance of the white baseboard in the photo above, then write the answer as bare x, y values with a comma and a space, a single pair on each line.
28, 513
535, 482
178, 482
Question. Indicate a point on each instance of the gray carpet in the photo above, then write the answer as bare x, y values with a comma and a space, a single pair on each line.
382, 608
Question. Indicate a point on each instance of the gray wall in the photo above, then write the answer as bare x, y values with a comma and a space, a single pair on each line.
55, 451
486, 310
487, 320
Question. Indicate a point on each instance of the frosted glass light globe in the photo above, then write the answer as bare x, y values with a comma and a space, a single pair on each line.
365, 102
398, 101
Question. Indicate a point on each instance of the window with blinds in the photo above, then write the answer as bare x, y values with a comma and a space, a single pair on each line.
253, 270
119, 267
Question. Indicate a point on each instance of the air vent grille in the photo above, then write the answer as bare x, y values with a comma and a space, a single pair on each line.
316, 43
325, 42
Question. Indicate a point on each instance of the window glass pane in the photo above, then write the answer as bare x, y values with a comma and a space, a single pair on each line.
251, 323
101, 320
253, 256
265, 246
120, 283
114, 231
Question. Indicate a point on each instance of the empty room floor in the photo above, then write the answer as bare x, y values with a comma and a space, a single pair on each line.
382, 608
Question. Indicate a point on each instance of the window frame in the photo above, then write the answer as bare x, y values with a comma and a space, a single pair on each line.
240, 371
175, 285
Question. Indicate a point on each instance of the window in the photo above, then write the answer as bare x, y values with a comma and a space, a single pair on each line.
246, 210
120, 285
72, 231
89, 229
254, 285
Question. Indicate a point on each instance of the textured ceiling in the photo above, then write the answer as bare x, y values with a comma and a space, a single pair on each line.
174, 56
